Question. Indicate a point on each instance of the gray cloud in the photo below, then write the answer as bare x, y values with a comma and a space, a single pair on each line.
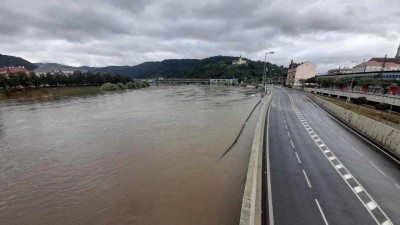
126, 32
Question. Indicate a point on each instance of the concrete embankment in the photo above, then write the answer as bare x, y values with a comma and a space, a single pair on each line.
385, 136
251, 204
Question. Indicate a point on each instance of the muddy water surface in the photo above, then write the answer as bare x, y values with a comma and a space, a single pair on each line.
146, 156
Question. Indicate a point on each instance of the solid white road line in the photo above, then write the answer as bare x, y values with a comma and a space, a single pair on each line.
343, 140
292, 143
377, 168
357, 152
308, 182
297, 157
322, 213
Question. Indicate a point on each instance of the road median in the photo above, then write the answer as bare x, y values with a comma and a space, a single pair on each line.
251, 204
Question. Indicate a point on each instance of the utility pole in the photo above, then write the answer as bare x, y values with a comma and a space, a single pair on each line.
265, 71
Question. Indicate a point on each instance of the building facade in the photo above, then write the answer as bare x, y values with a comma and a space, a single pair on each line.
240, 61
378, 64
298, 71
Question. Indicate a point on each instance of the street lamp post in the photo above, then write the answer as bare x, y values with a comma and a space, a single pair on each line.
351, 86
265, 70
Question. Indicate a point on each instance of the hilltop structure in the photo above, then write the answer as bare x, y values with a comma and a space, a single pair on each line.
240, 61
298, 71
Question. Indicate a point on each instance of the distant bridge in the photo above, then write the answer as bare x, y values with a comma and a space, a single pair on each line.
183, 81
196, 81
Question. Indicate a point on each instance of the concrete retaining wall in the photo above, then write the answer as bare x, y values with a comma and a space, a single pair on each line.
382, 134
251, 204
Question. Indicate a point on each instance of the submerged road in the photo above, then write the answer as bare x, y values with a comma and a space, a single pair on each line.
323, 173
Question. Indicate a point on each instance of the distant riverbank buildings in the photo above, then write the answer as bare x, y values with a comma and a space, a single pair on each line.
299, 71
372, 65
14, 69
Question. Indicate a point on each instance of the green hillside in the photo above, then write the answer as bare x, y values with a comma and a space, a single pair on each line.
213, 67
7, 60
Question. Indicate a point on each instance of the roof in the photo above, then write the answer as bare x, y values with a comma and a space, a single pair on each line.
394, 60
14, 69
373, 62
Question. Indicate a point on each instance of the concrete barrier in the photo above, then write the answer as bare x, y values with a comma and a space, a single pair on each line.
385, 136
251, 204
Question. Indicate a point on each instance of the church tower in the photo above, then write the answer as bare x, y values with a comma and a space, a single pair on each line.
398, 53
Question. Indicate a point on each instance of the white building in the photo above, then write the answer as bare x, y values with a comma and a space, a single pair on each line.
298, 71
378, 64
240, 61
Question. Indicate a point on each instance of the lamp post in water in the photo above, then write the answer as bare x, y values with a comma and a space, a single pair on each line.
265, 71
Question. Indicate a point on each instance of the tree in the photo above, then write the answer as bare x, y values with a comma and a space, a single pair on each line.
24, 80
359, 101
382, 107
3, 80
34, 79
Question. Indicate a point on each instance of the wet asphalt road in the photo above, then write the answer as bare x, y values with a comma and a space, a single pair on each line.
323, 173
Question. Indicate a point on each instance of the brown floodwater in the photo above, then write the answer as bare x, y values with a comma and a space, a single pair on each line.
146, 156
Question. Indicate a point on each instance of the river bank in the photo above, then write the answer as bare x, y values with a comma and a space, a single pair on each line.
48, 92
51, 92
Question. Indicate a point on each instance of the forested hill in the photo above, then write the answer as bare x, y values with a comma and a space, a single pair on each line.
213, 67
7, 60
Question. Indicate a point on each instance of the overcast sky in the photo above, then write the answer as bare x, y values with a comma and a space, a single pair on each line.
128, 32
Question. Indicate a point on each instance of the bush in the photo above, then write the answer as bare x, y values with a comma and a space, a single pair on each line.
108, 87
131, 85
359, 101
382, 106
122, 86
139, 84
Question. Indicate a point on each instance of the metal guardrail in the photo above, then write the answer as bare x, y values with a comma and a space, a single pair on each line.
389, 99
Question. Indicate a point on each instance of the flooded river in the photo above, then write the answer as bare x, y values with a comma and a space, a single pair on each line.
146, 156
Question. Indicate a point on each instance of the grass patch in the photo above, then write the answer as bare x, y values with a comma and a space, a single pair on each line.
49, 92
366, 111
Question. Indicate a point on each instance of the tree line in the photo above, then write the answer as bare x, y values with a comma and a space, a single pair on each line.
58, 79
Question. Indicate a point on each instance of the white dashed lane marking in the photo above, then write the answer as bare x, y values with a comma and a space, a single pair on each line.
357, 151
377, 168
397, 186
369, 203
298, 159
344, 140
292, 143
308, 182
322, 212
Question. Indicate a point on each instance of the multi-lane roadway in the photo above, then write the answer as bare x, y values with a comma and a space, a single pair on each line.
322, 172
